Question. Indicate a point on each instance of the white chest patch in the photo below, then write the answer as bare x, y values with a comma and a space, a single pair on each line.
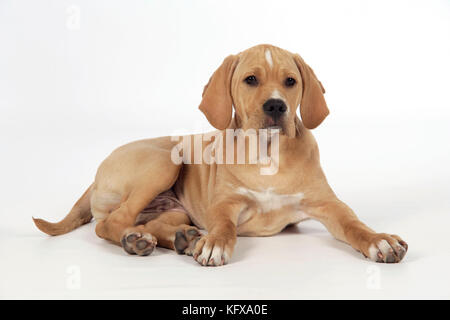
268, 200
268, 55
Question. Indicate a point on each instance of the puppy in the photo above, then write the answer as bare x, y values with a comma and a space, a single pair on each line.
162, 191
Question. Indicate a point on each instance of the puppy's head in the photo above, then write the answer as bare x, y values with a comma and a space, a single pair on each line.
265, 84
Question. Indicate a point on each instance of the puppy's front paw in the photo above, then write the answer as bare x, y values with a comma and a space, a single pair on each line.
138, 243
213, 250
386, 248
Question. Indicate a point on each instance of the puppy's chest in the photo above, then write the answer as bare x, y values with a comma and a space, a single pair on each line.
267, 200
268, 211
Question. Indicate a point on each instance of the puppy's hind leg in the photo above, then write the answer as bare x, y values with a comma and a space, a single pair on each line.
138, 174
113, 227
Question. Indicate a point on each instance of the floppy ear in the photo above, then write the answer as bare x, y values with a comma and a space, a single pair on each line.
313, 107
216, 99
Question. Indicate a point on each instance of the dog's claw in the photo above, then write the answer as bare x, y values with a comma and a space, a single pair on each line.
386, 248
212, 250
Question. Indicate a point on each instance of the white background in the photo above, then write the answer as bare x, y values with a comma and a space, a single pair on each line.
79, 78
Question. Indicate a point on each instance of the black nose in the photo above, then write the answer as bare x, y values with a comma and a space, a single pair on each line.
274, 108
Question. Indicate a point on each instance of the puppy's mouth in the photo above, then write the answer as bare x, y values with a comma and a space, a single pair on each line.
271, 123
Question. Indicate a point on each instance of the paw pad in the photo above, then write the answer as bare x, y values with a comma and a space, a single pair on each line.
185, 240
138, 243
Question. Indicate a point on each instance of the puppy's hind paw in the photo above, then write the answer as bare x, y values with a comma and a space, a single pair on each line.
185, 240
138, 243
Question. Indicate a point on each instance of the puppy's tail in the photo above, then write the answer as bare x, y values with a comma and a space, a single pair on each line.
79, 215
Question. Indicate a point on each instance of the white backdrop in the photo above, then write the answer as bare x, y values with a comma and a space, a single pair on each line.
79, 78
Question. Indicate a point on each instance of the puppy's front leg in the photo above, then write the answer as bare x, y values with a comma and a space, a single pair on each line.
344, 225
216, 248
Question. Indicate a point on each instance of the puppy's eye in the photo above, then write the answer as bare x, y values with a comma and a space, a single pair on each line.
251, 81
290, 82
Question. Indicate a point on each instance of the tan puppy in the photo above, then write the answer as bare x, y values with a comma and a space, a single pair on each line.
142, 197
